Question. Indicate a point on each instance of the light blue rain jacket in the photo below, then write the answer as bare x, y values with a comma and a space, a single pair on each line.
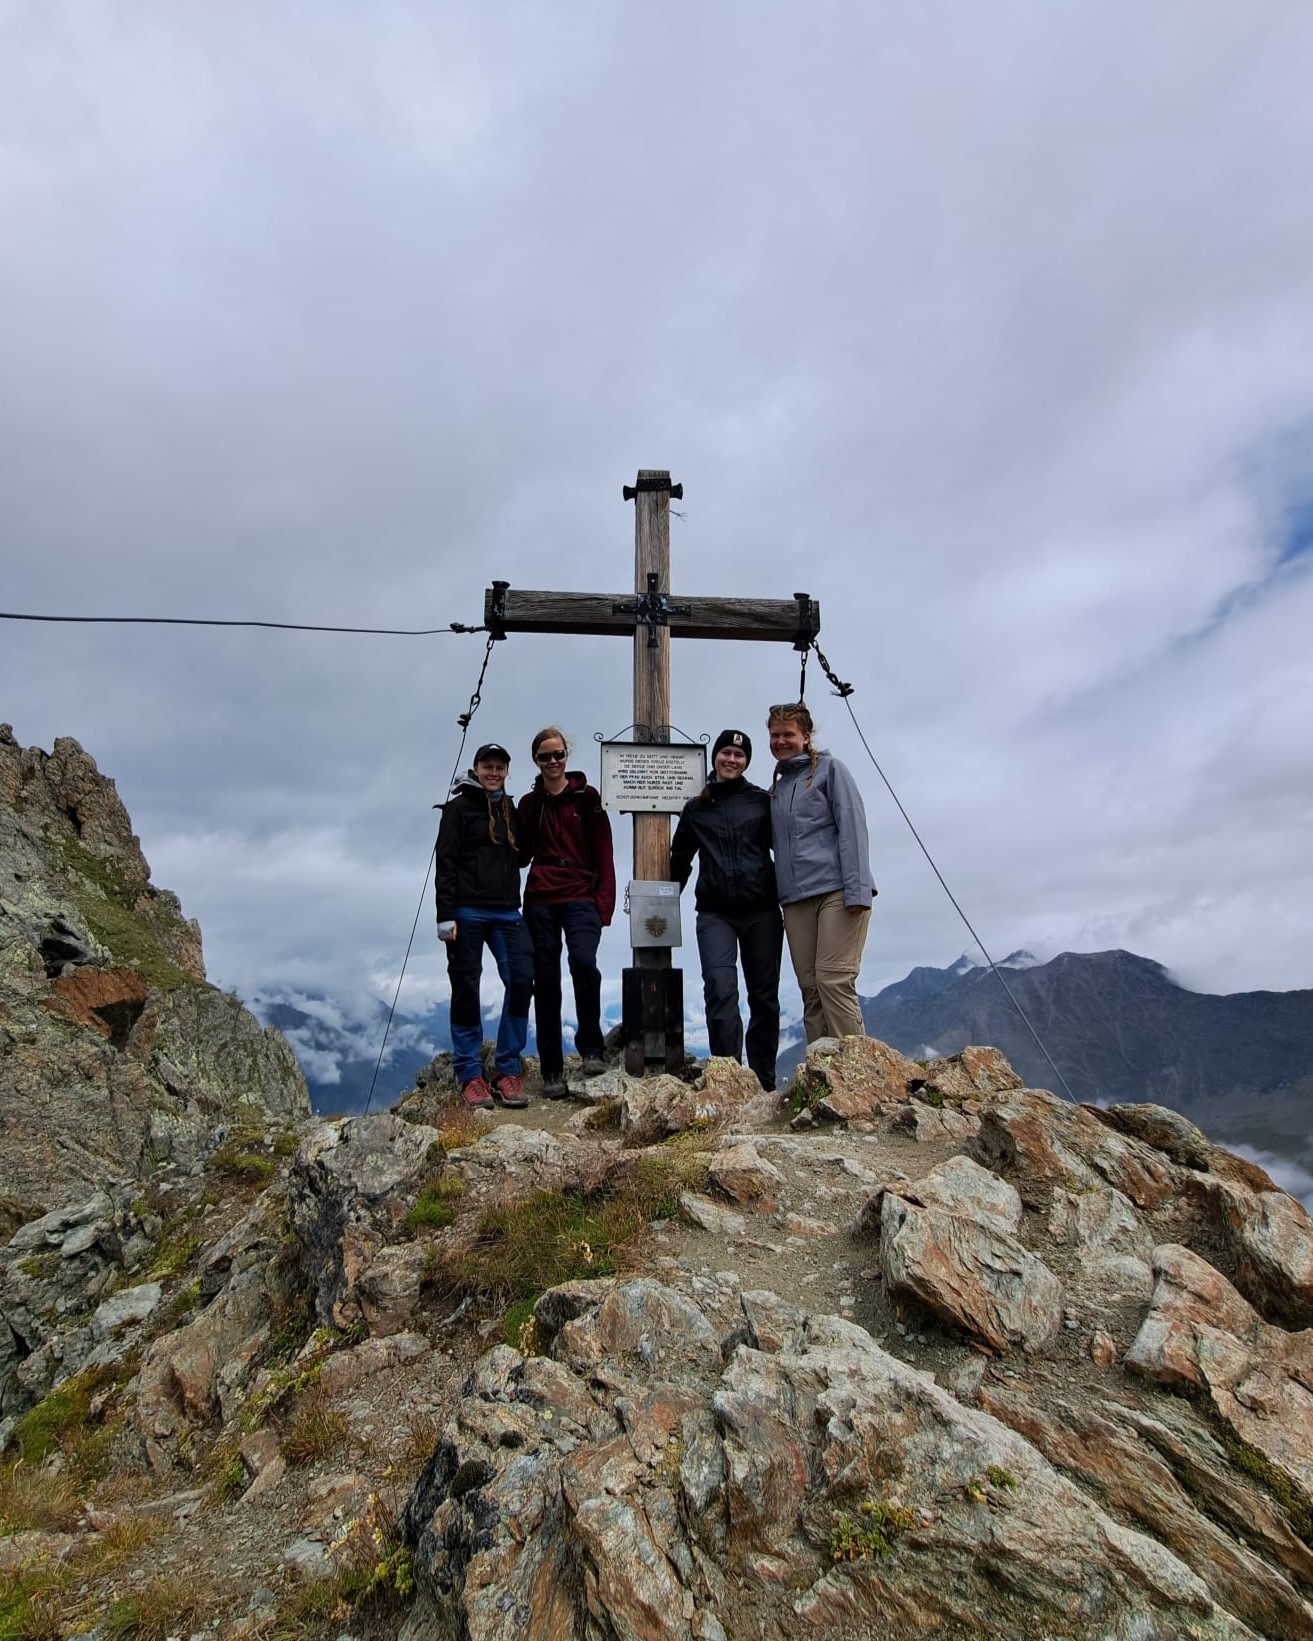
819, 832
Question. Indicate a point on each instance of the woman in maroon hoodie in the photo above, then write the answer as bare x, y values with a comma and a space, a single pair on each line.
565, 840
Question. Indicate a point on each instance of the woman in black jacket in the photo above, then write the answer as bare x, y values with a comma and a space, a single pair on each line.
477, 884
728, 828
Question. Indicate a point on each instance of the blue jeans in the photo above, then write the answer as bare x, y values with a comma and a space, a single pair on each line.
578, 921
507, 939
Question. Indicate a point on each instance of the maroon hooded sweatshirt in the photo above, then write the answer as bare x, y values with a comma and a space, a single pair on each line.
567, 838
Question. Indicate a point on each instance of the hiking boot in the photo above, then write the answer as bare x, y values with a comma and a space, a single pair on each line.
593, 1067
476, 1094
554, 1088
509, 1091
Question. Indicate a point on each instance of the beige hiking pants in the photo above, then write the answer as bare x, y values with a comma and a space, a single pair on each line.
825, 946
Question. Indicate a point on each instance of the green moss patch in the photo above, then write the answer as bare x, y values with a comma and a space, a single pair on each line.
130, 941
64, 1423
1287, 1493
434, 1206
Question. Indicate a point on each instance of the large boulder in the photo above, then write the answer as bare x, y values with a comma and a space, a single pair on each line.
967, 1075
353, 1184
844, 1079
653, 1108
1178, 1138
739, 1170
947, 1243
1270, 1238
197, 1375
1042, 1142
57, 1276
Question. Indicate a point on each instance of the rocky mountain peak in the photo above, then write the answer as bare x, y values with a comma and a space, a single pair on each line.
113, 1048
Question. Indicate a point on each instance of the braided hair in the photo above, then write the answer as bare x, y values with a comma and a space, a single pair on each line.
507, 810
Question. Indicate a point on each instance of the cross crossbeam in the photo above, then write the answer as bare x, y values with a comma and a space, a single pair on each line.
517, 609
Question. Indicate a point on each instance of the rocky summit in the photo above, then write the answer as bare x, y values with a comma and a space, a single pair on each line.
912, 1349
113, 1049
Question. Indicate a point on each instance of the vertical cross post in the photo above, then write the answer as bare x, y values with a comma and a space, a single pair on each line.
652, 661
652, 996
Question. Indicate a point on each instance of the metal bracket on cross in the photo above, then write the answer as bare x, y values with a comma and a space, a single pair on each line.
651, 609
495, 616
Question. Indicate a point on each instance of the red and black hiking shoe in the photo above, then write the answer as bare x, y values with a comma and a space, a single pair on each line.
476, 1094
509, 1091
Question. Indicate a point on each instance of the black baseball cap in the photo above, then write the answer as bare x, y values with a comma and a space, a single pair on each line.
492, 749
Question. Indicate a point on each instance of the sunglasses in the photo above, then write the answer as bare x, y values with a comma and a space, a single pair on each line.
550, 757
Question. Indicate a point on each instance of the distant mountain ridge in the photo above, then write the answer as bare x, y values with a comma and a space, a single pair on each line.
1120, 1029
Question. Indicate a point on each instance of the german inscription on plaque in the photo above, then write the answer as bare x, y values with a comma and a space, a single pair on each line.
650, 777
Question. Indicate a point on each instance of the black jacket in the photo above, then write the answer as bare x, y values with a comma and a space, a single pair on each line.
728, 829
476, 862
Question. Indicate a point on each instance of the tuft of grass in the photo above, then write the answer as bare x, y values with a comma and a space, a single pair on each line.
374, 1565
371, 1589
604, 1116
459, 1126
315, 1428
39, 1266
186, 1300
873, 1540
532, 1243
34, 1605
999, 1477
284, 1143
291, 1322
552, 1236
804, 1091
235, 1163
125, 1537
222, 1470
163, 1607
37, 1500
422, 1433
518, 1316
433, 1206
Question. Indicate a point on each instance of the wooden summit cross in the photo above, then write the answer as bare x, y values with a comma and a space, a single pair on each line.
652, 990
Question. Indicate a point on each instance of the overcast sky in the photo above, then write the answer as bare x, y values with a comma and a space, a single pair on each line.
989, 326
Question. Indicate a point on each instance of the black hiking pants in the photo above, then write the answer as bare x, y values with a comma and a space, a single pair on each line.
757, 939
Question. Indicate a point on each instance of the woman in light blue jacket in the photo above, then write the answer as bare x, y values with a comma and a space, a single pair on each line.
823, 872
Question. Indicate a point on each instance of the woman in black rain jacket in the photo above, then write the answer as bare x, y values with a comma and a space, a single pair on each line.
728, 829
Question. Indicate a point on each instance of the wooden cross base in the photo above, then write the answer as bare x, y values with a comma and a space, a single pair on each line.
652, 1017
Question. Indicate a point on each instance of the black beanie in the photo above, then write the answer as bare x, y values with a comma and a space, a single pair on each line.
733, 737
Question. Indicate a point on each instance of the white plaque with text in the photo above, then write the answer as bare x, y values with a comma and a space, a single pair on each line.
650, 777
